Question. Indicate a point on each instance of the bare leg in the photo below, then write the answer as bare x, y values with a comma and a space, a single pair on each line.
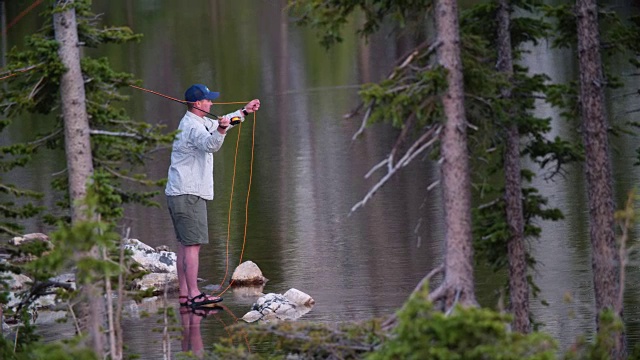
191, 261
188, 262
182, 280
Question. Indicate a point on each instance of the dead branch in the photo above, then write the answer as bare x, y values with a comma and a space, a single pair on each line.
391, 322
364, 121
112, 133
36, 88
455, 301
401, 63
8, 74
75, 319
423, 143
43, 139
41, 289
437, 270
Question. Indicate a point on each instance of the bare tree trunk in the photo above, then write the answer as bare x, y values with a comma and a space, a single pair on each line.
518, 286
79, 160
605, 258
458, 280
74, 111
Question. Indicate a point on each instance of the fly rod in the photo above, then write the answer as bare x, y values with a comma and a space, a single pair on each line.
234, 120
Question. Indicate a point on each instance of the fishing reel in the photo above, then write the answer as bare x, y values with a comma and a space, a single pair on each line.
235, 120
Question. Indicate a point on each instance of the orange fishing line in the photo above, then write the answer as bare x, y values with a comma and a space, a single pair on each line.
22, 14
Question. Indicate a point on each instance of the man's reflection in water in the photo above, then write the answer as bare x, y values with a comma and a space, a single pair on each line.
191, 337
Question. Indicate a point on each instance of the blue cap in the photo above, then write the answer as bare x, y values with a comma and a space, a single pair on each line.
199, 92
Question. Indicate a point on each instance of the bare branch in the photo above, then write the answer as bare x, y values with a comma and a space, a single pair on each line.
364, 121
112, 133
12, 73
118, 174
437, 270
36, 88
424, 142
43, 139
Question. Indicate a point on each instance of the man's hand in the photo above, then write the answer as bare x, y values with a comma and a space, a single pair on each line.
252, 106
223, 123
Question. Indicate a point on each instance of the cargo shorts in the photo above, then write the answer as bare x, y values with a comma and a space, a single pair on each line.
189, 217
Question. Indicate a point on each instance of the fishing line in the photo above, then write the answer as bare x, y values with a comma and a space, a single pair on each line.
235, 161
21, 15
246, 213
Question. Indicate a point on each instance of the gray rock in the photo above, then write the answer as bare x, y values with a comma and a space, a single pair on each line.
275, 307
15, 281
158, 282
150, 259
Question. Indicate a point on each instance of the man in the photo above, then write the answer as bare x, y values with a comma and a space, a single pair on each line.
190, 184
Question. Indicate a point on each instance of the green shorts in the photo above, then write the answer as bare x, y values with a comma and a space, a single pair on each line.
189, 216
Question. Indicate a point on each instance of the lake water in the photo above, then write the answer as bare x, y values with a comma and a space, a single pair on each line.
308, 172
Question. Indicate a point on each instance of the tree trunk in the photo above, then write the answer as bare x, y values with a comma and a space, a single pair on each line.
74, 111
458, 279
79, 160
605, 258
518, 286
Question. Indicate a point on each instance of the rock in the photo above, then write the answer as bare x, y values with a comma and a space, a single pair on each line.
68, 278
162, 248
299, 298
251, 316
49, 317
276, 307
20, 240
248, 273
150, 259
158, 282
15, 281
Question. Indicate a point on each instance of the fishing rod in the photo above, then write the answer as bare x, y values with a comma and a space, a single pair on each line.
234, 120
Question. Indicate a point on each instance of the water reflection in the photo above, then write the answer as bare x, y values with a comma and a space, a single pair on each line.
191, 335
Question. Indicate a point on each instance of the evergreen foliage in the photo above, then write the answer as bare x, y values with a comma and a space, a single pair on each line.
120, 145
67, 241
465, 333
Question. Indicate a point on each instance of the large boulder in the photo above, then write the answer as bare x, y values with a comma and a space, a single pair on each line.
150, 259
248, 274
275, 307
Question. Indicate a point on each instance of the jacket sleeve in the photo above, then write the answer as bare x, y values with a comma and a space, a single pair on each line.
205, 141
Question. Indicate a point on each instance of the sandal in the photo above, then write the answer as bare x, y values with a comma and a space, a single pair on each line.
194, 304
183, 303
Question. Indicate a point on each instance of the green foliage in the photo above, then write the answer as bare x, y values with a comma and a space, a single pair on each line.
90, 248
352, 340
329, 17
481, 20
10, 211
466, 333
600, 348
32, 350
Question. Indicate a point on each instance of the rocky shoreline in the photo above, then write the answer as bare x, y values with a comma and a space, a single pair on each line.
160, 276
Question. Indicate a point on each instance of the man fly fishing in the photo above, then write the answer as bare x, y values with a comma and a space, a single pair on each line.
190, 184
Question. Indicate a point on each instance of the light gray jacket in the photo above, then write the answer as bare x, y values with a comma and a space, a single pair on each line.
191, 169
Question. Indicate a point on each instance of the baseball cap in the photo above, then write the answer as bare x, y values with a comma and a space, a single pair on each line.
199, 92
